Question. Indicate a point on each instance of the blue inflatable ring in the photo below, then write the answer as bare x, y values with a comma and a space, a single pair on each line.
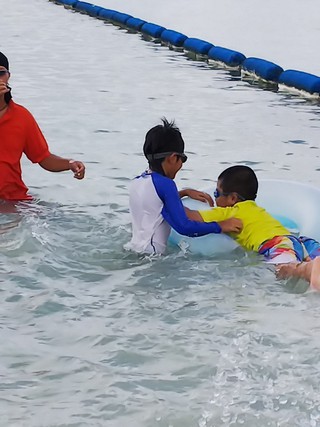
294, 204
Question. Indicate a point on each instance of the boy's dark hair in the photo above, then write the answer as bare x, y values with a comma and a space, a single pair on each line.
165, 138
241, 180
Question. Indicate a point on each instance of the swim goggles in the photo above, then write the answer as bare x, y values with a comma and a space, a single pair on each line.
217, 194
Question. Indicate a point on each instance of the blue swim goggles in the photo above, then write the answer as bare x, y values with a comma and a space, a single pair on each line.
218, 193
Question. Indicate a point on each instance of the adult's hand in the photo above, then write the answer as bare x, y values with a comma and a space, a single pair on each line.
77, 168
3, 87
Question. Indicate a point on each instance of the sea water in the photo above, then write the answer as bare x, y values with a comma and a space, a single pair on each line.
92, 335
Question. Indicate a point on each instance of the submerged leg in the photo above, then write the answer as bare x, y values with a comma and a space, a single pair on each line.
309, 271
302, 270
315, 274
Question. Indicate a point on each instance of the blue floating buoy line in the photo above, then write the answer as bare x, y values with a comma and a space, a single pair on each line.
260, 69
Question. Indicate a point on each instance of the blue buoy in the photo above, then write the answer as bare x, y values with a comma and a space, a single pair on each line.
173, 37
301, 80
71, 3
88, 8
106, 13
265, 70
120, 18
135, 23
262, 68
152, 30
197, 46
232, 58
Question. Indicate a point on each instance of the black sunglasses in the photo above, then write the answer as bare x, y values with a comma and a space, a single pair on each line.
182, 157
3, 72
156, 156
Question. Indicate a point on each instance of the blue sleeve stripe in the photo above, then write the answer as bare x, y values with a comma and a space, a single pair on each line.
173, 211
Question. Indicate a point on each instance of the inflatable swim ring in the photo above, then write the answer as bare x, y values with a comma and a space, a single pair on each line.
295, 205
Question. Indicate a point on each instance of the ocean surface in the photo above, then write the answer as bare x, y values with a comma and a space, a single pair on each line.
92, 335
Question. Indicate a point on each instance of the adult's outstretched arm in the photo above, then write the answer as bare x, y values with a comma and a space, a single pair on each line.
54, 163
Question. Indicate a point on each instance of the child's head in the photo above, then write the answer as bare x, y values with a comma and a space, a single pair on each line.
236, 184
164, 149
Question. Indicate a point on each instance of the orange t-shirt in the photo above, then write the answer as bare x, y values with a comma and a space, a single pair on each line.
19, 133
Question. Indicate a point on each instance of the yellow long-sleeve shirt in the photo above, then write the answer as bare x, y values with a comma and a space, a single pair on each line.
258, 224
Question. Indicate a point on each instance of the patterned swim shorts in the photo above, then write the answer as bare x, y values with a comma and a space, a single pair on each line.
284, 249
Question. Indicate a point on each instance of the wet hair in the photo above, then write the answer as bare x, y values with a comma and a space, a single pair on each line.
165, 138
241, 180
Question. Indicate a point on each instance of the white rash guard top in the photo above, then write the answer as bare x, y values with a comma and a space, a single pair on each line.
155, 207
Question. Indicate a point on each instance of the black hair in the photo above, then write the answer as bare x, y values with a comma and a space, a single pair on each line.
165, 138
241, 180
5, 63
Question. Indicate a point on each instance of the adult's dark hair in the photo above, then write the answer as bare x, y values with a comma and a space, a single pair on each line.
241, 180
165, 138
5, 63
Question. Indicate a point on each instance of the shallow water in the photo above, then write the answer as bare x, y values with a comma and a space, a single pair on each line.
94, 336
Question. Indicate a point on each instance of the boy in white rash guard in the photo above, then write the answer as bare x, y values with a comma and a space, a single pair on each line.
155, 203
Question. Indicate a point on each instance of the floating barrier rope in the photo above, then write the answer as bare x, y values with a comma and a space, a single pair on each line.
260, 69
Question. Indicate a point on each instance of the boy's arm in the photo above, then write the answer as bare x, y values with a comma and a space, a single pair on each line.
193, 215
230, 225
173, 211
197, 195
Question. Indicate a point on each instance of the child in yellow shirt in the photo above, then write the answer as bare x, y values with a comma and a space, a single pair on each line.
235, 197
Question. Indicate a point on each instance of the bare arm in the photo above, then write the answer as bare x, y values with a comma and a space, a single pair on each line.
197, 195
231, 225
193, 215
55, 163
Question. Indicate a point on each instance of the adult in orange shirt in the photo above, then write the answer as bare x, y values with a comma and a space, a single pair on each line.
20, 133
